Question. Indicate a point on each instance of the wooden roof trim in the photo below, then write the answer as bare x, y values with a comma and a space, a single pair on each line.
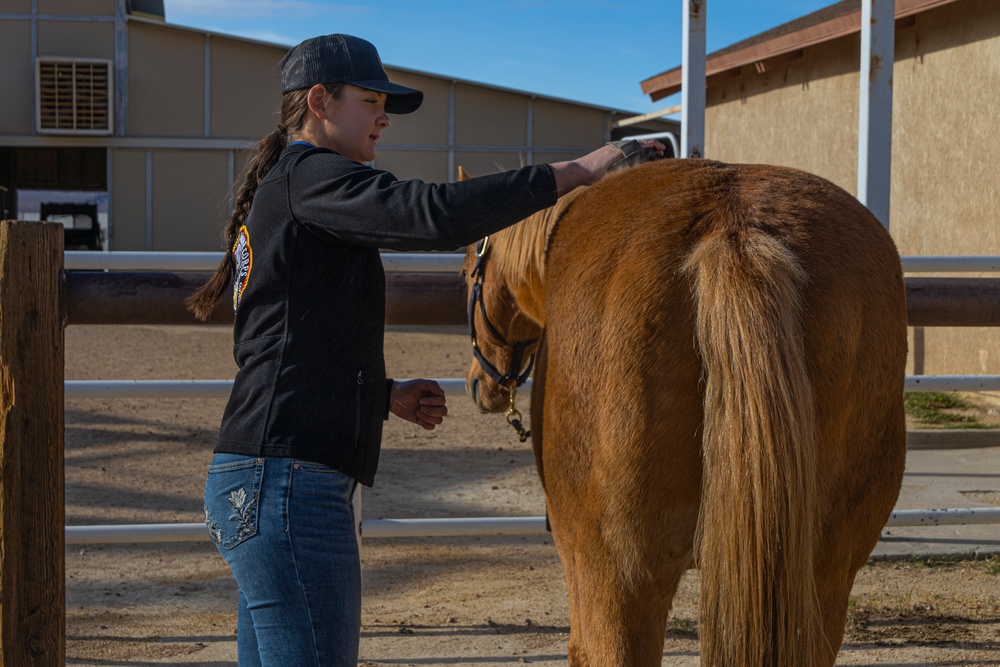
771, 51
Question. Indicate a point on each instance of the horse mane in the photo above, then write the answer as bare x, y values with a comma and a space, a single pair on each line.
520, 249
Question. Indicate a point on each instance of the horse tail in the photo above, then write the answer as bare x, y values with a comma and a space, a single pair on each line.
757, 527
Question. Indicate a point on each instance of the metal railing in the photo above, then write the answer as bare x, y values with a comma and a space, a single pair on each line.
473, 526
82, 260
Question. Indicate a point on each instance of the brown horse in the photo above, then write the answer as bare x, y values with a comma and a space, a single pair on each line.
718, 383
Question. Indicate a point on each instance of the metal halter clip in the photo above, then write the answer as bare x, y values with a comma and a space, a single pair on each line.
514, 417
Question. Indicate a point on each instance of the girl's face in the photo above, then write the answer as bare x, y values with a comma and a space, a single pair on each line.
351, 122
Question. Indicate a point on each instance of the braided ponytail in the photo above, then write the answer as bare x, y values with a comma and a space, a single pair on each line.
264, 156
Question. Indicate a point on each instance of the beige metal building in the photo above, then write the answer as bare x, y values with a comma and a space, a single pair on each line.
105, 99
789, 96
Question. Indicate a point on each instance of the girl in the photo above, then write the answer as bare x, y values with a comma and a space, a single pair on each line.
303, 424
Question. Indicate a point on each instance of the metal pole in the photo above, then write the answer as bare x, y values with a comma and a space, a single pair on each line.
952, 383
467, 527
965, 516
392, 262
195, 532
878, 32
166, 389
942, 264
423, 262
693, 80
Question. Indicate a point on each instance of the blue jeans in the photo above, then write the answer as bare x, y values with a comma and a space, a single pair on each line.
286, 528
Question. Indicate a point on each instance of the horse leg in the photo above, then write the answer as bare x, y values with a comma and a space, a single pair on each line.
849, 537
621, 578
576, 653
619, 618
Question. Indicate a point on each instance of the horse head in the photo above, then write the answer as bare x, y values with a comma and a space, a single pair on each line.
504, 337
503, 279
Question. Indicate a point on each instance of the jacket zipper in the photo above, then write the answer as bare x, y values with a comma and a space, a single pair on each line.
357, 410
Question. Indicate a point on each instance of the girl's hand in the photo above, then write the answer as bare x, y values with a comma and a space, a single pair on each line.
591, 167
419, 401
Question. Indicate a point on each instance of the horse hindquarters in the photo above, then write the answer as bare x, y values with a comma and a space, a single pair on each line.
756, 536
622, 464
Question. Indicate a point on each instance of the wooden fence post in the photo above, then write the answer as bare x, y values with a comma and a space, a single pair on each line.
32, 512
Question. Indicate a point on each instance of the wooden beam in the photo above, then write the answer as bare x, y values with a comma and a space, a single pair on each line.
439, 299
953, 302
157, 297
634, 120
32, 513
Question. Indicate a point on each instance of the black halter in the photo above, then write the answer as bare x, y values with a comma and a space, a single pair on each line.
513, 378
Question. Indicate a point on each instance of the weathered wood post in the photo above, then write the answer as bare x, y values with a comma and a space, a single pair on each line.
32, 513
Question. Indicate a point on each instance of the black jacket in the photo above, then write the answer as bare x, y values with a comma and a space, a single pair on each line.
309, 295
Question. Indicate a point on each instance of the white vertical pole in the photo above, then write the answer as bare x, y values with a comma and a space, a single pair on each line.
878, 35
452, 168
693, 80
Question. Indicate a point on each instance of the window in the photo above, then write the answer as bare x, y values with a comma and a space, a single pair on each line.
73, 96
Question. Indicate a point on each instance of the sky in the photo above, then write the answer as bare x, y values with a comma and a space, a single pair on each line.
591, 51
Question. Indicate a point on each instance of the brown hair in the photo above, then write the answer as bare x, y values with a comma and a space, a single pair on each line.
264, 155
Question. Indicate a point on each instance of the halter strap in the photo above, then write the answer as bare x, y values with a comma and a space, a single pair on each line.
513, 377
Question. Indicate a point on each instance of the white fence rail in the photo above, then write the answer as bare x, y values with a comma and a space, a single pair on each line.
466, 527
82, 260
452, 386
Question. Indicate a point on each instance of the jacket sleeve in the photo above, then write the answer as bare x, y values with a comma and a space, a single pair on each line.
342, 200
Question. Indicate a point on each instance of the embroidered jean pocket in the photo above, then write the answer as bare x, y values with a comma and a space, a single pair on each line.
232, 497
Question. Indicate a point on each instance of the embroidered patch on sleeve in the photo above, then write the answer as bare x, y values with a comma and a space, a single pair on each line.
243, 258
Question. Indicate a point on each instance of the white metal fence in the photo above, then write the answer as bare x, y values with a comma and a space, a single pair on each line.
82, 260
430, 262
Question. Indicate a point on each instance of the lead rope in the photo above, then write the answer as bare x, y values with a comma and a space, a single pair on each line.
513, 416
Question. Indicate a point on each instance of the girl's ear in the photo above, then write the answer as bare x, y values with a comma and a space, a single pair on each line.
316, 101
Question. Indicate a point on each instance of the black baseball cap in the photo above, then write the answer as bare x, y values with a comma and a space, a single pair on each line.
344, 59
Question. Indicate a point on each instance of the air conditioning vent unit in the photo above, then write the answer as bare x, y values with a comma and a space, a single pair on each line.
74, 96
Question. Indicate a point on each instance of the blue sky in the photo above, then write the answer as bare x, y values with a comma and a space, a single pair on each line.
594, 51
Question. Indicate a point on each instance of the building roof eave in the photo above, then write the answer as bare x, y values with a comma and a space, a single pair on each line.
784, 43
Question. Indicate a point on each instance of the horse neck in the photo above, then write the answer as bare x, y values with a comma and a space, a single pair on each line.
520, 253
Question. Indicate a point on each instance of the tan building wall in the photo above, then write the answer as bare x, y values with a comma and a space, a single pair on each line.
166, 82
490, 117
243, 76
560, 125
186, 181
78, 7
428, 125
128, 199
17, 78
944, 193
76, 39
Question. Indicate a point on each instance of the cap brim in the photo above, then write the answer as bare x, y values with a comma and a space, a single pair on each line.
399, 99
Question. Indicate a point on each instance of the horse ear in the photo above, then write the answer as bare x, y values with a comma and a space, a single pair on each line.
462, 174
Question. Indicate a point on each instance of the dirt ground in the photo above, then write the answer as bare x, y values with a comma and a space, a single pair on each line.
428, 601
